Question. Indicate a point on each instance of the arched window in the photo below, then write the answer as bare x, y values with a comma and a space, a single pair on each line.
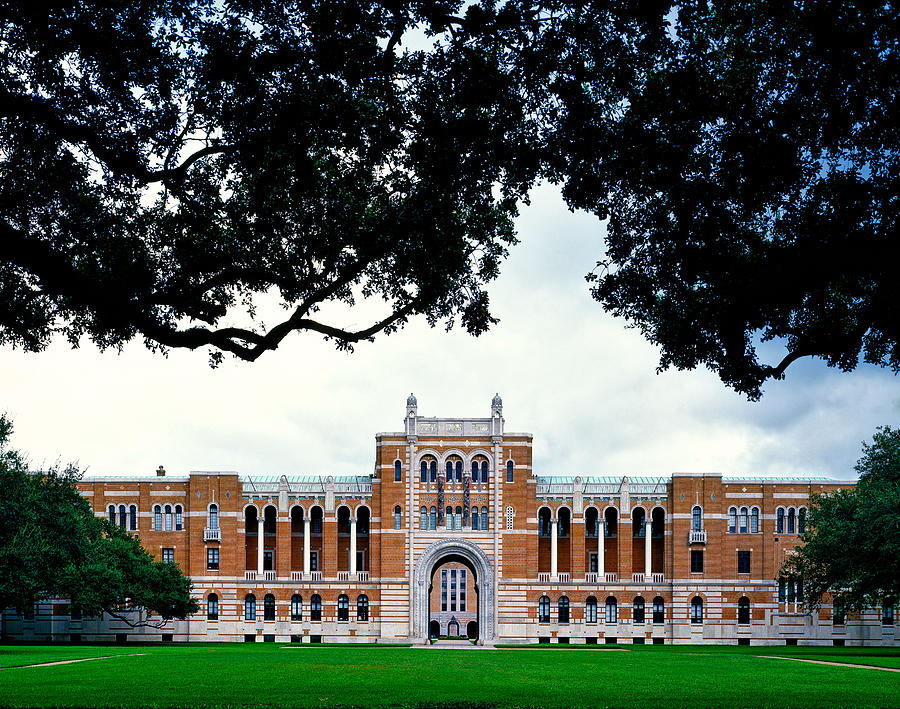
697, 519
838, 612
591, 519
123, 517
458, 517
801, 520
638, 522
449, 473
779, 521
157, 518
315, 608
213, 516
743, 521
485, 524
509, 471
448, 517
112, 514
475, 518
544, 522
610, 522
658, 523
510, 514
887, 613
612, 610
474, 471
754, 520
269, 607
250, 607
397, 517
167, 511
564, 516
432, 518
697, 610
178, 518
296, 607
398, 475
732, 520
484, 471
212, 607
459, 471
791, 521
433, 470
423, 518
590, 610
423, 473
343, 608
544, 610
132, 518
562, 607
638, 610
362, 607
743, 610
659, 610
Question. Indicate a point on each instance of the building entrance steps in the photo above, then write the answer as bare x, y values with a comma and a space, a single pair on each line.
454, 645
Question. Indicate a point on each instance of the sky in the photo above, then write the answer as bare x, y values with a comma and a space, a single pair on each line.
579, 380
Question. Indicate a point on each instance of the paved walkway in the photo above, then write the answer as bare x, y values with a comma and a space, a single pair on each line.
836, 664
70, 662
455, 645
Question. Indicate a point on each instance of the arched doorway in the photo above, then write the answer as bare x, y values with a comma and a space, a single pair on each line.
472, 630
434, 629
482, 583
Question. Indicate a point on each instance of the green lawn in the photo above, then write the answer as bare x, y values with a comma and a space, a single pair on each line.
224, 674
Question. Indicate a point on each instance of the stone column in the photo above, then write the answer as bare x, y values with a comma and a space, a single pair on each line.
306, 547
260, 543
647, 550
601, 551
554, 525
352, 547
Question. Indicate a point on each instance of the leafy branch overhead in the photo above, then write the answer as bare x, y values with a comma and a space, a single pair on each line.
163, 164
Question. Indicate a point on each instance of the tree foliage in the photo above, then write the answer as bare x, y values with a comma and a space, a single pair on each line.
163, 162
52, 545
851, 547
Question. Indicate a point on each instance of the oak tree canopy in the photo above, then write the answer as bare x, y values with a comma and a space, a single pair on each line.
164, 163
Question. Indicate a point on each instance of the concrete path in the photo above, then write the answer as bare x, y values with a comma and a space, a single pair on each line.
70, 662
454, 645
835, 664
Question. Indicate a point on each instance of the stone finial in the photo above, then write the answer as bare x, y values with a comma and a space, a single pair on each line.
411, 400
497, 401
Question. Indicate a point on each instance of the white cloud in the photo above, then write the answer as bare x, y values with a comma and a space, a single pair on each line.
581, 382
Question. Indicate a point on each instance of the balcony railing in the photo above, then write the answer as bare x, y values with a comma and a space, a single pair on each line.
657, 578
296, 575
315, 575
212, 535
697, 536
269, 575
250, 575
612, 578
343, 575
543, 576
637, 578
564, 577
590, 577
362, 575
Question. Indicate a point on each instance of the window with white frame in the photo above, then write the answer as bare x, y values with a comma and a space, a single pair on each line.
697, 610
212, 607
168, 556
157, 518
213, 516
612, 610
590, 610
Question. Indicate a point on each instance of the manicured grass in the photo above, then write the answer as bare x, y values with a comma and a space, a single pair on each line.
266, 674
18, 656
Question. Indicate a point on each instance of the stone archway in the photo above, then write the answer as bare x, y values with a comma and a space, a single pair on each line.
484, 574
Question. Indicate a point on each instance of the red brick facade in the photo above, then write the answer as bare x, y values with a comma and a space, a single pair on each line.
354, 544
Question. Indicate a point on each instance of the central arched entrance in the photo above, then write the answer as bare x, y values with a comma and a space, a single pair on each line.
475, 560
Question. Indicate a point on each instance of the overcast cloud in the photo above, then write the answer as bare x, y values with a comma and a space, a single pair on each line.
576, 378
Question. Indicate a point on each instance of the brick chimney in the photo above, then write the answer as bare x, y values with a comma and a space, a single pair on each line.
161, 472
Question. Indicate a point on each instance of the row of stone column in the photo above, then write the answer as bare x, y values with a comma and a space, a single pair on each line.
601, 551
306, 545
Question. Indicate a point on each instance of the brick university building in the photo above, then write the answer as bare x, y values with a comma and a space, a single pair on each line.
454, 534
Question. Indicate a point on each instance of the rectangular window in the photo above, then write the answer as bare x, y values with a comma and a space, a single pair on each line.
443, 589
313, 561
593, 563
743, 562
453, 589
462, 590
696, 562
168, 556
212, 559
179, 522
268, 560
